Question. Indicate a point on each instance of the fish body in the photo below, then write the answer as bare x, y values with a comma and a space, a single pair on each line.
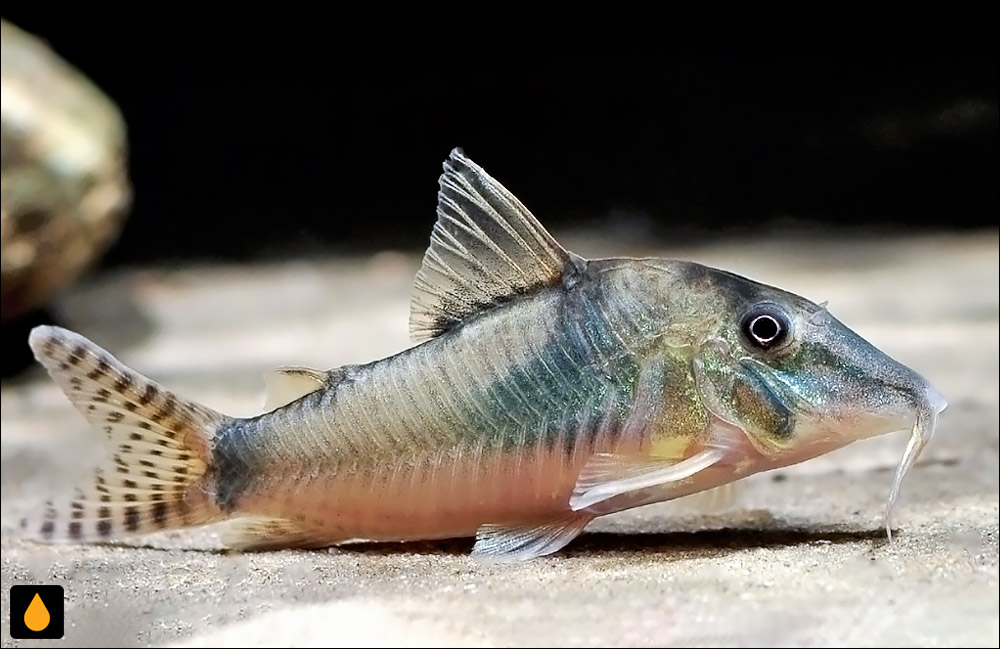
546, 390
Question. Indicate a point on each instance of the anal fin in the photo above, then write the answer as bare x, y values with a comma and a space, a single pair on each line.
608, 475
255, 533
503, 543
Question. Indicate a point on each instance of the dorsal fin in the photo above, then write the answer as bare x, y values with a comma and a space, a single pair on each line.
485, 247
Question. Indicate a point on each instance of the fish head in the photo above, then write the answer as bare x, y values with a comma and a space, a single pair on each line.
797, 381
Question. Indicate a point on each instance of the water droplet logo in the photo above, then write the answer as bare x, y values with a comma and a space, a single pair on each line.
36, 612
37, 616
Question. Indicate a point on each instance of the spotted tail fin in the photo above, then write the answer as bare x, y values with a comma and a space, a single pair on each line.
159, 449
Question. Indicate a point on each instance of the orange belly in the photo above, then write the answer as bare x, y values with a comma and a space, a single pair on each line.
427, 499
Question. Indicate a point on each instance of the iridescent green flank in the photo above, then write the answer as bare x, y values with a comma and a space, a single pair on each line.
544, 371
565, 394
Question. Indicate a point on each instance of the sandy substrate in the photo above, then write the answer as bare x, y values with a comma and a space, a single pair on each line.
800, 560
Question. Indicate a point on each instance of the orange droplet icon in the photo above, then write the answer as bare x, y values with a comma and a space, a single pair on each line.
37, 616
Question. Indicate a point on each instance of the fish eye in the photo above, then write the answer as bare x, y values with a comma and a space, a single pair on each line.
764, 327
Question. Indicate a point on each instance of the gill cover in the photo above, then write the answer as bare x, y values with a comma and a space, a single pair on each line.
735, 393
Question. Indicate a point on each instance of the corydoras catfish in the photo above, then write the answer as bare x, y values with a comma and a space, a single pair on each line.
546, 390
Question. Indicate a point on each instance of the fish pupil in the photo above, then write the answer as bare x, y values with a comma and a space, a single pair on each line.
765, 328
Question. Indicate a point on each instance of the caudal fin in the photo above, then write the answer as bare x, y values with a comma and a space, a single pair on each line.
159, 448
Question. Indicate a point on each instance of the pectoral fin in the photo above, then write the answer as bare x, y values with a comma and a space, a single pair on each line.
520, 542
607, 475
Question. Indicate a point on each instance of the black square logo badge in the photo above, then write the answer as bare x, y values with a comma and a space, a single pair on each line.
36, 612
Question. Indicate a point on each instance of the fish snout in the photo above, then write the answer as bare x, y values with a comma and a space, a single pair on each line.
918, 393
934, 400
902, 396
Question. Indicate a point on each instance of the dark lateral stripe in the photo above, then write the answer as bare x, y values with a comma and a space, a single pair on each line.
235, 462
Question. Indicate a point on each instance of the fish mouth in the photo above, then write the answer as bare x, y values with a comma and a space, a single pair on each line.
927, 410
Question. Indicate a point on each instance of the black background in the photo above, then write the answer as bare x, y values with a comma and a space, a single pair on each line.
280, 140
